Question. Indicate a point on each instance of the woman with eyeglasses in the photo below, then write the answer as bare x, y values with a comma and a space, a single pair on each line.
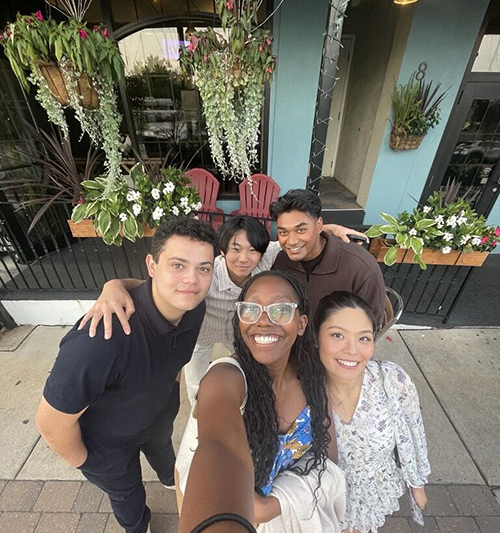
260, 415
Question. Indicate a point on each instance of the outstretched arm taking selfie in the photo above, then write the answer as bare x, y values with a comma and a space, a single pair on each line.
114, 299
221, 478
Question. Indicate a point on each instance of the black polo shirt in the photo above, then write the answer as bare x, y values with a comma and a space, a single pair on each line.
126, 381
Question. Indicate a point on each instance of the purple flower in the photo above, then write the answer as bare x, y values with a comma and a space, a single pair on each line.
97, 28
106, 33
39, 15
83, 34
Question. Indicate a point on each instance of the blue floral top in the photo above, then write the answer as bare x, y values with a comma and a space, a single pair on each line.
293, 445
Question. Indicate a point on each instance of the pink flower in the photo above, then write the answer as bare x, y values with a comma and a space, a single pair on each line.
83, 34
80, 201
261, 48
193, 43
484, 239
270, 70
97, 28
497, 231
230, 4
106, 33
269, 41
494, 243
39, 15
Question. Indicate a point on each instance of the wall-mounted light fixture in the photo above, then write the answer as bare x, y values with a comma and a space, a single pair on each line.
404, 2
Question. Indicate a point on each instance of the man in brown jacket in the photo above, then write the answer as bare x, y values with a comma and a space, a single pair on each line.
321, 262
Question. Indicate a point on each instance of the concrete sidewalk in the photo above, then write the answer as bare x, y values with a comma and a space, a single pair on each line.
457, 373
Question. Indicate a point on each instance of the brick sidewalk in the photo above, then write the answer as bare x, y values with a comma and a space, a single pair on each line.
76, 507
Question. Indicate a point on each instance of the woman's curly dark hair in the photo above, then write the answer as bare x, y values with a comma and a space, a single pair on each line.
260, 417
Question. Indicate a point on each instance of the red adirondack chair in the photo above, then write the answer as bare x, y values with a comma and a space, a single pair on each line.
256, 201
208, 188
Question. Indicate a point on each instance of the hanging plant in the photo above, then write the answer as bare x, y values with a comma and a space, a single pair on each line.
230, 72
71, 66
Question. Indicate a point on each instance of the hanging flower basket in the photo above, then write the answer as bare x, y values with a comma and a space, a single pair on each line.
402, 141
56, 81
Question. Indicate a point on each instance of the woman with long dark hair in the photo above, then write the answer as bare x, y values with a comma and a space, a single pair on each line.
273, 389
374, 404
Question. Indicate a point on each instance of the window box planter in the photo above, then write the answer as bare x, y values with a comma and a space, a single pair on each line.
379, 247
85, 229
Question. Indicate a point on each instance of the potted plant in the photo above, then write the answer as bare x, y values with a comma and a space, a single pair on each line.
132, 211
416, 111
230, 72
71, 66
437, 233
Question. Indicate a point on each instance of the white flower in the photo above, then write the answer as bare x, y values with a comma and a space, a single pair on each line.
155, 193
196, 217
169, 187
175, 211
187, 210
446, 249
464, 239
448, 236
439, 225
123, 217
413, 231
184, 201
136, 208
198, 206
427, 208
461, 220
157, 213
476, 241
452, 221
131, 196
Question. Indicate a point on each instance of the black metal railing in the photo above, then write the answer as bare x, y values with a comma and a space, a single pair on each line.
49, 263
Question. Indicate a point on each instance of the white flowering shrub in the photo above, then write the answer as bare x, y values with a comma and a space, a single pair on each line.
439, 227
123, 210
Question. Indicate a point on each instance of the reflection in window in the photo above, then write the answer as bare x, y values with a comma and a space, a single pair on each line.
488, 56
166, 107
478, 148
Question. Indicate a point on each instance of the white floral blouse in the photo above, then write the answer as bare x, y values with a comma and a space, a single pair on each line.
387, 414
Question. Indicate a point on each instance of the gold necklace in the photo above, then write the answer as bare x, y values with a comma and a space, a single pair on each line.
338, 404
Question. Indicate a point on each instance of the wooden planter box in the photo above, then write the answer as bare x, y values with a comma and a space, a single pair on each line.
433, 257
379, 247
85, 229
475, 259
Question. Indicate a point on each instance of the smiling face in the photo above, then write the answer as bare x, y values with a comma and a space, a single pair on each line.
269, 343
241, 257
299, 235
346, 343
182, 275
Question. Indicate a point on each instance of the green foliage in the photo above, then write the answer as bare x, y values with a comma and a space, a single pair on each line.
437, 226
31, 41
230, 72
416, 107
121, 210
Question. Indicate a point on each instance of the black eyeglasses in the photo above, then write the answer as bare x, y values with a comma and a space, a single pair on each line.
279, 313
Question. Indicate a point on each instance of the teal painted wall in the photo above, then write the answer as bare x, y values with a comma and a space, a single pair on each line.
298, 28
443, 33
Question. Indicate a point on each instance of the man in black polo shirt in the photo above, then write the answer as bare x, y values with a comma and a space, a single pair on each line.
106, 400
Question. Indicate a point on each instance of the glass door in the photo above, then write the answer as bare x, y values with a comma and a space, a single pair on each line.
469, 157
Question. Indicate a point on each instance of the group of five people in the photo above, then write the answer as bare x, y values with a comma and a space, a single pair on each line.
270, 425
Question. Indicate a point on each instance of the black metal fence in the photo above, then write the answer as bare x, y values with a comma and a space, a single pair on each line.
49, 263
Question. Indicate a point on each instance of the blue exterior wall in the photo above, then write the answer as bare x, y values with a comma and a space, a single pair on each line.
442, 34
298, 28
